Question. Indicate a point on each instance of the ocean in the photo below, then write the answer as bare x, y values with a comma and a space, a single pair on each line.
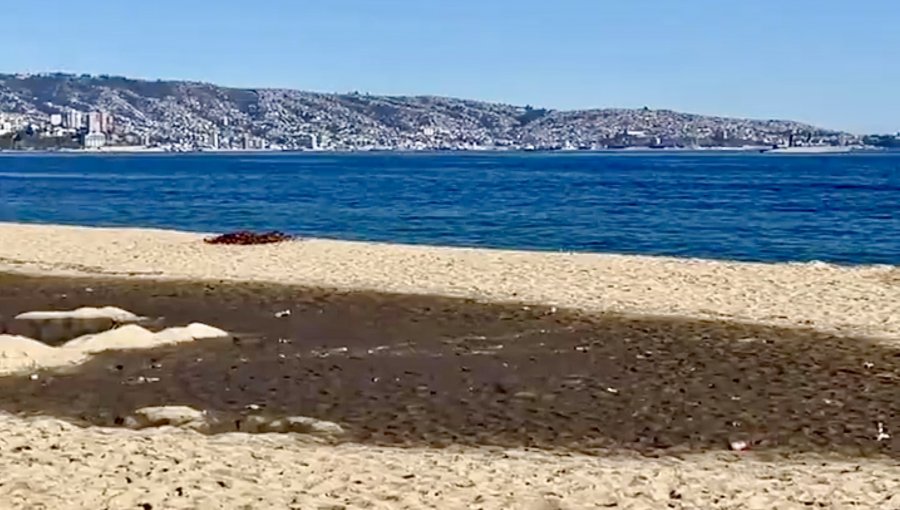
756, 207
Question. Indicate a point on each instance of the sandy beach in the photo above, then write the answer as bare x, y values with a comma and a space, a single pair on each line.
51, 464
463, 378
859, 300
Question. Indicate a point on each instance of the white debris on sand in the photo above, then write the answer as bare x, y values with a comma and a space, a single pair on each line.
189, 418
304, 425
175, 416
186, 417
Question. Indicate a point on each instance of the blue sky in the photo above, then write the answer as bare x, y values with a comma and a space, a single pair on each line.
834, 63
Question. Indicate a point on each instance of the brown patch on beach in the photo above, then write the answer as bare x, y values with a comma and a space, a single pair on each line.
426, 371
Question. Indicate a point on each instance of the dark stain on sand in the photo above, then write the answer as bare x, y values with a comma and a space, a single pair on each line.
425, 371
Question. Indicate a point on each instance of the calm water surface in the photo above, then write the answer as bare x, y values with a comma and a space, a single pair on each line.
836, 208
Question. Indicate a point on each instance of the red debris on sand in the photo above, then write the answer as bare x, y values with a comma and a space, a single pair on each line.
247, 237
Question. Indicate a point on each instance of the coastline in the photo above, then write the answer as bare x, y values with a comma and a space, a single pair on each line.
856, 300
750, 149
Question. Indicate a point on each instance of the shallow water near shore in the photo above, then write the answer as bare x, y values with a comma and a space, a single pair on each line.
835, 208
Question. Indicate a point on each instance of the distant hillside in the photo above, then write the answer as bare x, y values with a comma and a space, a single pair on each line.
180, 112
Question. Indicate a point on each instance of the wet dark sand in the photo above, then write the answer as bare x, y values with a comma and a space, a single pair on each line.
413, 370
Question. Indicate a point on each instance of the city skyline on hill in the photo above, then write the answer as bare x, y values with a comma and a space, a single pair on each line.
826, 63
65, 110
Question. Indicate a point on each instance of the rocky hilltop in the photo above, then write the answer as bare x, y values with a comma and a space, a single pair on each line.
195, 115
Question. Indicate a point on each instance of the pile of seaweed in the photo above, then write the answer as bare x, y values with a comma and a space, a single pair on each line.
245, 237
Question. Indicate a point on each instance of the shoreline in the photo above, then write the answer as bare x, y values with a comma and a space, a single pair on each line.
852, 300
750, 149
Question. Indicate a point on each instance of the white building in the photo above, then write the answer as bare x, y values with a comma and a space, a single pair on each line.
94, 140
10, 122
56, 120
74, 119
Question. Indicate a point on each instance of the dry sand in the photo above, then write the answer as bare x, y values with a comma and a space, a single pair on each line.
19, 354
47, 463
51, 464
857, 300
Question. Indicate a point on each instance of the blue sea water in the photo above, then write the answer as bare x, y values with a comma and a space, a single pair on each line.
762, 207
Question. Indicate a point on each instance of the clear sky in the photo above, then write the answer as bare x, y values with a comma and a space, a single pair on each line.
835, 63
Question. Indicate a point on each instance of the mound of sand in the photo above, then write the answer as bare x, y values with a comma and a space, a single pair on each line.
19, 354
189, 333
132, 336
107, 312
58, 326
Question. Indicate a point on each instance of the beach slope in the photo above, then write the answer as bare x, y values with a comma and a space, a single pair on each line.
854, 300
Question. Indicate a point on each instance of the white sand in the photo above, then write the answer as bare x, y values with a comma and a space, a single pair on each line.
50, 464
85, 313
858, 300
189, 333
56, 326
125, 337
136, 337
19, 354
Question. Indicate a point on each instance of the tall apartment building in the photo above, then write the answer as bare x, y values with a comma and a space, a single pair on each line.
74, 119
95, 122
